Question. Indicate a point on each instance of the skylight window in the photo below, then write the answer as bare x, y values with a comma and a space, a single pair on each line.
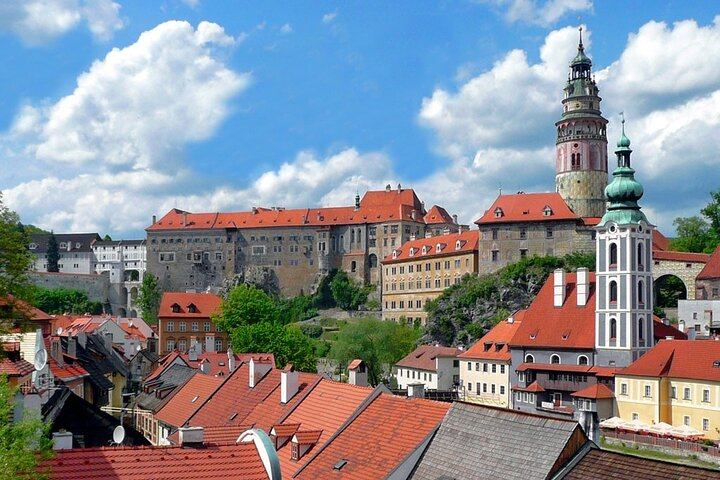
194, 399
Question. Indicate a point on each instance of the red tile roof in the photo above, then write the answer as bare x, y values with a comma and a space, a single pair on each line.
15, 368
680, 256
159, 463
412, 250
377, 440
534, 387
494, 344
662, 331
688, 359
659, 241
355, 364
307, 437
375, 207
527, 207
69, 371
423, 357
438, 215
164, 363
220, 435
606, 372
284, 429
25, 308
712, 268
186, 401
596, 391
266, 413
206, 304
218, 361
568, 326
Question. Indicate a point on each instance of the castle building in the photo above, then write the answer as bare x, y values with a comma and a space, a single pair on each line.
74, 251
287, 249
126, 262
559, 223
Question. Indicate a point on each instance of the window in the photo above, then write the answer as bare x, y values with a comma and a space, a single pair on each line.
549, 232
502, 369
673, 392
477, 366
492, 388
206, 327
635, 416
494, 368
502, 389
641, 293
495, 255
582, 360
182, 327
686, 393
523, 252
195, 327
456, 363
523, 233
477, 388
529, 358
686, 420
469, 364
640, 256
469, 386
555, 359
494, 233
613, 254
485, 367
706, 396
167, 256
170, 326
613, 329
170, 344
623, 389
218, 255
613, 292
484, 387
182, 344
648, 391
706, 424
258, 250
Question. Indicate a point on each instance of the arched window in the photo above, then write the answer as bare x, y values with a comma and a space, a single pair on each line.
640, 256
641, 328
555, 359
353, 266
613, 291
613, 254
529, 358
613, 329
352, 236
582, 360
372, 260
641, 292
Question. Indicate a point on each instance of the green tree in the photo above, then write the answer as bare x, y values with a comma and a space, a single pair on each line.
323, 295
15, 261
347, 293
286, 342
65, 300
107, 238
53, 254
379, 343
296, 309
699, 234
23, 444
246, 305
712, 213
149, 298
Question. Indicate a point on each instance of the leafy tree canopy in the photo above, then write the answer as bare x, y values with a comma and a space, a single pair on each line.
347, 293
286, 342
22, 443
296, 309
379, 343
53, 254
699, 233
65, 300
149, 298
246, 305
465, 312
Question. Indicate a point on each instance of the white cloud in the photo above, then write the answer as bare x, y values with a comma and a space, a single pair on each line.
40, 21
192, 3
286, 29
538, 12
329, 17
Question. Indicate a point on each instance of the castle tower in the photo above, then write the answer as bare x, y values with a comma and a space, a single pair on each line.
624, 296
581, 166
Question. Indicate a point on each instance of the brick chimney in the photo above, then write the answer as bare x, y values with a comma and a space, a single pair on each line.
191, 436
288, 384
583, 286
72, 346
559, 287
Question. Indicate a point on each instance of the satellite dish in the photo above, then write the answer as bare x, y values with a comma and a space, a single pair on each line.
40, 360
59, 331
138, 348
119, 434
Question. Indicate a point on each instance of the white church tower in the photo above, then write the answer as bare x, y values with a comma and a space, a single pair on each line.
624, 302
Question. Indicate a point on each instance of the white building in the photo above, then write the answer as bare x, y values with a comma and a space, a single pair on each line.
437, 368
74, 249
126, 262
699, 318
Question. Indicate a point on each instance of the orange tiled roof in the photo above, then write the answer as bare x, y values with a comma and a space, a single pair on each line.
307, 437
527, 207
267, 412
205, 305
375, 207
494, 345
69, 371
604, 371
598, 390
15, 368
377, 440
712, 268
354, 364
534, 387
423, 357
188, 399
438, 215
285, 429
412, 250
661, 331
680, 256
25, 308
568, 326
159, 463
688, 359
659, 241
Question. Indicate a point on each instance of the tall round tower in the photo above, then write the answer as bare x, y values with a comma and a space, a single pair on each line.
581, 163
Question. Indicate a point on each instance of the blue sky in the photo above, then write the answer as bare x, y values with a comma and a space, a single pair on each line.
112, 111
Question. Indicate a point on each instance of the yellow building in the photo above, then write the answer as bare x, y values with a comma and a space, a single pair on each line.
677, 382
420, 270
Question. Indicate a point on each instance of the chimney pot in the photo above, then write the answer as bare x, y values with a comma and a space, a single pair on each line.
559, 287
184, 219
154, 218
583, 286
191, 436
288, 384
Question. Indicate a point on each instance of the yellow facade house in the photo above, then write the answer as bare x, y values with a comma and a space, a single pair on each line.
677, 382
420, 270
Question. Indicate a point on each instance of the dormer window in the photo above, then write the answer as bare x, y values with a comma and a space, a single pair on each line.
425, 249
175, 308
487, 346
498, 212
192, 308
395, 254
547, 211
412, 251
439, 247
78, 245
63, 245
459, 244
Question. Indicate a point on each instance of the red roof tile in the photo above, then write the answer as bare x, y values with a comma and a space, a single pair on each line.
596, 391
680, 256
15, 368
688, 359
534, 387
662, 331
423, 357
188, 399
267, 412
412, 250
377, 440
69, 371
606, 372
494, 344
712, 268
659, 241
355, 364
206, 304
438, 215
527, 207
284, 429
219, 435
307, 437
25, 308
568, 326
159, 463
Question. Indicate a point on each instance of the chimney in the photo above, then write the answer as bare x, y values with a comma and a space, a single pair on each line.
416, 390
56, 351
152, 344
454, 217
254, 210
72, 346
205, 366
191, 436
413, 215
257, 372
559, 283
399, 188
108, 337
288, 384
154, 220
681, 325
231, 360
184, 219
62, 440
82, 339
583, 286
357, 373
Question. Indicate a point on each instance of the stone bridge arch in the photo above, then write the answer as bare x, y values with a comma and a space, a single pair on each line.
685, 266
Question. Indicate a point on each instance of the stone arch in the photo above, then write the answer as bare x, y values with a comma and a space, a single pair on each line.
668, 289
122, 312
133, 313
134, 293
686, 269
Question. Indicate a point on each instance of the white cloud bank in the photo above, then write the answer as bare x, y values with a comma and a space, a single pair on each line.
538, 12
37, 22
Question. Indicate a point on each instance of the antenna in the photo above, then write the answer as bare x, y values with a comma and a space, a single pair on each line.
40, 359
119, 435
